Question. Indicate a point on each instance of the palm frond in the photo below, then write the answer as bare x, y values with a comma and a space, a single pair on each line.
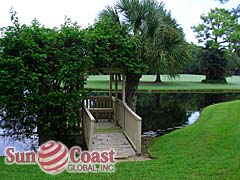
110, 12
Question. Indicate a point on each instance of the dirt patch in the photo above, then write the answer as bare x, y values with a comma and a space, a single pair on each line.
145, 156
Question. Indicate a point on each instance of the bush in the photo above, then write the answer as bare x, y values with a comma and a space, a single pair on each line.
42, 78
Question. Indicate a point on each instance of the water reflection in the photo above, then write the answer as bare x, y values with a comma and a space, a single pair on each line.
20, 144
165, 112
193, 117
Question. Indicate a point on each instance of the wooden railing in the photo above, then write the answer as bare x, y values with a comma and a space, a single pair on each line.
88, 127
128, 120
130, 123
98, 102
101, 107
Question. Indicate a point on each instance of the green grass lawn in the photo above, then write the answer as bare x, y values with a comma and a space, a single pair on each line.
181, 84
209, 149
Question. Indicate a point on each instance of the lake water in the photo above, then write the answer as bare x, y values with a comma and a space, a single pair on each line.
164, 112
24, 144
161, 113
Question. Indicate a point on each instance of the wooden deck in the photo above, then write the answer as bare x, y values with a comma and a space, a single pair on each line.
108, 136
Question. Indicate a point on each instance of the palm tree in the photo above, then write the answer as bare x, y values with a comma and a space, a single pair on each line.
160, 39
133, 13
166, 45
110, 12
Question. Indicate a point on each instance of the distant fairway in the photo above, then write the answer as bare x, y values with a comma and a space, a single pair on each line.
185, 83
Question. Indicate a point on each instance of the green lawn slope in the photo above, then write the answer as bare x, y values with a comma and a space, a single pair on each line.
209, 149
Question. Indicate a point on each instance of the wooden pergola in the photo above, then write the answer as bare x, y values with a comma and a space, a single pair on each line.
113, 72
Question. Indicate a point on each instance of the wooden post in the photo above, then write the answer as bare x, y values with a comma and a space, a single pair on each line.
124, 88
110, 84
139, 134
116, 86
115, 100
90, 148
110, 97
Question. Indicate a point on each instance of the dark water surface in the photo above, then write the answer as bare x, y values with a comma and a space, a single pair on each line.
161, 113
165, 112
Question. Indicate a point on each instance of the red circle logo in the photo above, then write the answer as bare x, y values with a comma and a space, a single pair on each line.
53, 157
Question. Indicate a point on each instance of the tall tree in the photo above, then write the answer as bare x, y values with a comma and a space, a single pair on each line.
133, 12
219, 28
218, 32
166, 47
148, 22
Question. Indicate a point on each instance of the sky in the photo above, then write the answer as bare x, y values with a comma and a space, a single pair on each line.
51, 13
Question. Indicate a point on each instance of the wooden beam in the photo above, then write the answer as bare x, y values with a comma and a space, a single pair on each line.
110, 84
124, 88
116, 86
115, 100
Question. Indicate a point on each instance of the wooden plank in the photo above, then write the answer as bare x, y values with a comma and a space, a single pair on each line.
111, 146
88, 114
101, 109
106, 127
112, 140
88, 127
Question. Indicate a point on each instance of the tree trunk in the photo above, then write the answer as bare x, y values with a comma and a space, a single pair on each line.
158, 79
132, 82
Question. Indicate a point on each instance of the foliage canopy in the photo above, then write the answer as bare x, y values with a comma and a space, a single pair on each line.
42, 75
220, 33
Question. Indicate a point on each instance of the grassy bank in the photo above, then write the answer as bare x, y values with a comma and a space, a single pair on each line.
209, 149
190, 83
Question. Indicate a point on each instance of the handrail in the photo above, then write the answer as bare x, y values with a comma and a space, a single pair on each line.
89, 114
125, 117
130, 123
99, 97
88, 127
137, 117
